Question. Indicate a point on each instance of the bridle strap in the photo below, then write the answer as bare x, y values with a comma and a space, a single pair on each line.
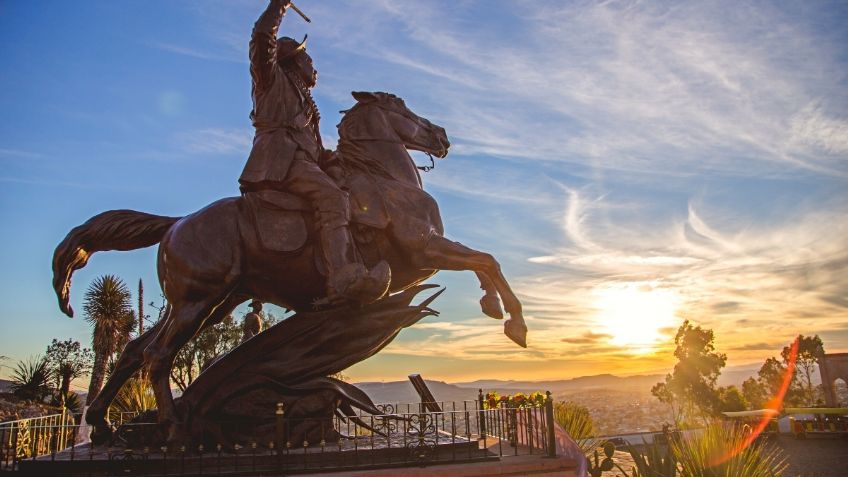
390, 141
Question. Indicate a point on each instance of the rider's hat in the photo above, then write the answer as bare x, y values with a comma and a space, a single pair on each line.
288, 48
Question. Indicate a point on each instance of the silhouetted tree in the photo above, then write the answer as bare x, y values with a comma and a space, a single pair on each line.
202, 349
692, 382
771, 376
107, 306
754, 393
810, 350
731, 399
68, 360
208, 345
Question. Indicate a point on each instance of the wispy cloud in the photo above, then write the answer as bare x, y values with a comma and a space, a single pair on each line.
195, 53
743, 280
216, 141
75, 185
20, 154
588, 338
665, 87
610, 124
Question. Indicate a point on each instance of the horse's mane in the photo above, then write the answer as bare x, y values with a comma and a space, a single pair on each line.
352, 155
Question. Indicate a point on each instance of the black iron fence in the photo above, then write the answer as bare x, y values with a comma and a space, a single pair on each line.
402, 435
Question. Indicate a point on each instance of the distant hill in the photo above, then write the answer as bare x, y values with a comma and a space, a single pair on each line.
628, 383
403, 392
735, 375
5, 386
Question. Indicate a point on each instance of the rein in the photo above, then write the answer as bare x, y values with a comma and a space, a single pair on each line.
374, 139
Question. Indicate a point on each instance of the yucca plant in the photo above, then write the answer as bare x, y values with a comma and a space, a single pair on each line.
653, 460
108, 308
71, 401
135, 396
577, 422
724, 451
31, 379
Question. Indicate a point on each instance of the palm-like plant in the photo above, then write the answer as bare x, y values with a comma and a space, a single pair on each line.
727, 451
135, 397
108, 308
31, 379
577, 422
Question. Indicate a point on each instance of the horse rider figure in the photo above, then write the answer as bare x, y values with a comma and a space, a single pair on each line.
286, 150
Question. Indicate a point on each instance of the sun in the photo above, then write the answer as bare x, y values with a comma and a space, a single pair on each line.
634, 314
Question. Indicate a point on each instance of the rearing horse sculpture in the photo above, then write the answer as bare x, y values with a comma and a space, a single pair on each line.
211, 261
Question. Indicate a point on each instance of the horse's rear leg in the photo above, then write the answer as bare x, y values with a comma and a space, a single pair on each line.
183, 323
443, 254
130, 361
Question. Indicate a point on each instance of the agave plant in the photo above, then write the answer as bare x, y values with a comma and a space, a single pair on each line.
653, 460
71, 401
31, 379
727, 451
135, 397
577, 422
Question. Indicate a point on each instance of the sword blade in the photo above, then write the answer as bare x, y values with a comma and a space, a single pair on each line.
299, 12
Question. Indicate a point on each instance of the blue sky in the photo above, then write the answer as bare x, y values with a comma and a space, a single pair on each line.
631, 164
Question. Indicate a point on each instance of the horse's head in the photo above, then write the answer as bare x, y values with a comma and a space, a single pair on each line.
385, 117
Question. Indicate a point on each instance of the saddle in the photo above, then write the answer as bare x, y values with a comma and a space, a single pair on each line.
279, 218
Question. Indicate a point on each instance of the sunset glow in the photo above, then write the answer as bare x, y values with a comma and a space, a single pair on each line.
635, 315
626, 163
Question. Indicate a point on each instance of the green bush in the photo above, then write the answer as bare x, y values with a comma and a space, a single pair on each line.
721, 451
135, 397
577, 422
31, 379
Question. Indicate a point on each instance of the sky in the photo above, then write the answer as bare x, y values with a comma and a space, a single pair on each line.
631, 164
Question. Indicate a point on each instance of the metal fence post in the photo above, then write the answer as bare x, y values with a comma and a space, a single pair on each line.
549, 423
281, 434
481, 414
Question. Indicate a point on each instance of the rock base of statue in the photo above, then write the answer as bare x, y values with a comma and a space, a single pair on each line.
284, 371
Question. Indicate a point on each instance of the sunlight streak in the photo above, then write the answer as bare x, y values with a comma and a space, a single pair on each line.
774, 404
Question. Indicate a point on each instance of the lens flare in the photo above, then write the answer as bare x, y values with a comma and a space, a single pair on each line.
774, 404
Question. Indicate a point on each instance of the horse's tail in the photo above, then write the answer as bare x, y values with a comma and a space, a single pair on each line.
112, 230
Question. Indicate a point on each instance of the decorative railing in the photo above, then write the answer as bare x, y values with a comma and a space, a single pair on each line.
34, 437
401, 435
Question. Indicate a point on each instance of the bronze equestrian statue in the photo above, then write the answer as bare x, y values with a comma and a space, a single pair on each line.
268, 245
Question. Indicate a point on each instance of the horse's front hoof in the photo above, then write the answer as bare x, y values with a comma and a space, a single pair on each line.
516, 331
491, 306
100, 434
176, 437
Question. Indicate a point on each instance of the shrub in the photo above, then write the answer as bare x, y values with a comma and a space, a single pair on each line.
577, 422
136, 396
724, 451
31, 379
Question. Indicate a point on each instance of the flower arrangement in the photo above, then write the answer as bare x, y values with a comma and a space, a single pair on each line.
518, 400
